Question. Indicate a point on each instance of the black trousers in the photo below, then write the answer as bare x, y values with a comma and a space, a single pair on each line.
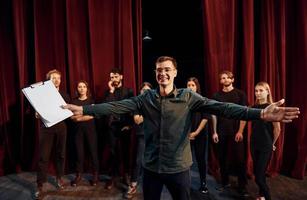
137, 166
261, 160
86, 134
227, 142
200, 145
178, 185
49, 137
119, 142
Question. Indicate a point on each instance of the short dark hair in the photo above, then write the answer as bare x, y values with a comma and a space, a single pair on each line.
167, 58
146, 84
116, 70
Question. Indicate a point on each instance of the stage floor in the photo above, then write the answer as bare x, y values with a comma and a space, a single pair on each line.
22, 186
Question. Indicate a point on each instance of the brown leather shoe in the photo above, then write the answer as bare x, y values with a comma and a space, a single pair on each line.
77, 180
109, 184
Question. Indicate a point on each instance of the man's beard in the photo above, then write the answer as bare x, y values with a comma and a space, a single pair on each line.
116, 83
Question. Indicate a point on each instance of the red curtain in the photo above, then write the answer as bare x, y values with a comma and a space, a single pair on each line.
262, 41
257, 40
81, 38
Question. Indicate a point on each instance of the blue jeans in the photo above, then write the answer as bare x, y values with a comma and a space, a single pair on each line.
178, 185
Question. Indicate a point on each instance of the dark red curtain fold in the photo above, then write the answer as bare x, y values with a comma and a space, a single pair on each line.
253, 39
83, 39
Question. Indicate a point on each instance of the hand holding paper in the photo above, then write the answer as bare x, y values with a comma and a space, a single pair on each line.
47, 102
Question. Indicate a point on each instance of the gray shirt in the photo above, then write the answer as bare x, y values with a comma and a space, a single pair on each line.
167, 121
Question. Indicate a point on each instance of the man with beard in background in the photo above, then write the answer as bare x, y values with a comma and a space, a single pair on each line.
118, 128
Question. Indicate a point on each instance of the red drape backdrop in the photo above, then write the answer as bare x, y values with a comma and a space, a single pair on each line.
257, 40
262, 41
81, 38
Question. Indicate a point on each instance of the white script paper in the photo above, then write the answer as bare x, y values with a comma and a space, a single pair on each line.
47, 102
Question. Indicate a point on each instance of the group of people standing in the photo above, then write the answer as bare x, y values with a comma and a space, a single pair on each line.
85, 135
228, 134
166, 121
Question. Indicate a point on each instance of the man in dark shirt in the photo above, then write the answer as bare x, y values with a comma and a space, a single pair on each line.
118, 127
229, 133
49, 137
167, 120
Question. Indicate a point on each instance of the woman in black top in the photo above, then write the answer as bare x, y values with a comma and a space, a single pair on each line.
263, 138
140, 145
85, 132
199, 137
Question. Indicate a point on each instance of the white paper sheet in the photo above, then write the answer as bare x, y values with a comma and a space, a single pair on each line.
47, 102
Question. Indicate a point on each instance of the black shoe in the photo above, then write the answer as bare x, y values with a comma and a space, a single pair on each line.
95, 179
39, 191
109, 184
223, 187
77, 180
203, 189
243, 192
60, 183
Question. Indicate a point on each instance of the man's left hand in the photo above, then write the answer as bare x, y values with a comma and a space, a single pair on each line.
275, 113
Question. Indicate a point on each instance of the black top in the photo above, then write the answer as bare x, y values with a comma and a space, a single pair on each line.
121, 93
167, 122
262, 133
196, 119
229, 126
90, 124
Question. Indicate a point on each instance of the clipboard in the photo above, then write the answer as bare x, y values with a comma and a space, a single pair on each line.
47, 101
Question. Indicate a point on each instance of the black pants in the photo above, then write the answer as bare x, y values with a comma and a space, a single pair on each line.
261, 160
48, 136
200, 145
86, 134
137, 167
178, 185
227, 142
119, 142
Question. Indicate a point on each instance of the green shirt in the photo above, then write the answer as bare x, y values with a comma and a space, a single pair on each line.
167, 121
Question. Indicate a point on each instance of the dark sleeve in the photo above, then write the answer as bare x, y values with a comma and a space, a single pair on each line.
130, 93
243, 98
109, 96
215, 96
91, 101
66, 97
125, 106
206, 116
227, 110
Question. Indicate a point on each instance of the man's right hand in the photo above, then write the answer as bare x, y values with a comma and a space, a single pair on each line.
111, 87
215, 138
77, 110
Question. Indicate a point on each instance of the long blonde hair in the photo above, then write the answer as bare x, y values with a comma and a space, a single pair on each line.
267, 87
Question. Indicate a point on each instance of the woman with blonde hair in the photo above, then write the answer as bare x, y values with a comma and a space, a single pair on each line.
263, 138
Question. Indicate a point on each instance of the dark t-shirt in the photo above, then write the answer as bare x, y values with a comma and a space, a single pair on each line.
229, 126
262, 133
196, 119
90, 124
